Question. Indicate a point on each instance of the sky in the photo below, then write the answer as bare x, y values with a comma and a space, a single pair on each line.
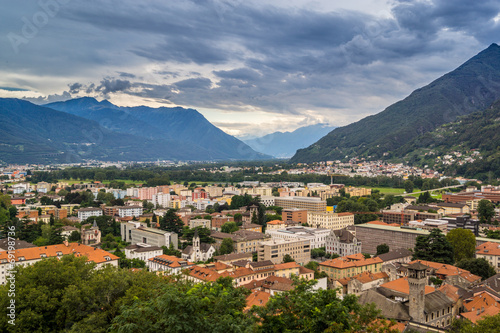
250, 67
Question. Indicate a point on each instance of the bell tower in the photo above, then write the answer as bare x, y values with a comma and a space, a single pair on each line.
417, 281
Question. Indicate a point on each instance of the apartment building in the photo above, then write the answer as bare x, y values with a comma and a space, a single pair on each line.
295, 215
243, 240
137, 233
274, 250
131, 211
330, 220
310, 204
85, 213
349, 266
342, 242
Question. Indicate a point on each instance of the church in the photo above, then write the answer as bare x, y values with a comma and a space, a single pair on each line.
198, 251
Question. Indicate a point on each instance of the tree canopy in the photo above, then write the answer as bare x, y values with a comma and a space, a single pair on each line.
463, 242
433, 247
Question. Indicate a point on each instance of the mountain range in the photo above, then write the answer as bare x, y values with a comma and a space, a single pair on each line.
473, 86
285, 144
84, 128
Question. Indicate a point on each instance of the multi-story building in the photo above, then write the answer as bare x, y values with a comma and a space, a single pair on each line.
219, 221
161, 199
142, 251
311, 204
275, 225
85, 213
137, 233
295, 215
350, 266
168, 264
200, 223
317, 236
214, 191
131, 211
342, 242
274, 250
30, 256
146, 193
330, 220
267, 200
430, 224
491, 252
92, 235
243, 240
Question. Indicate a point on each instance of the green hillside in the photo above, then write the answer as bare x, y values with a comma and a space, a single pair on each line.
472, 144
471, 87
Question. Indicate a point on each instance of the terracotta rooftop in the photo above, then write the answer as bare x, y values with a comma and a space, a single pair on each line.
203, 273
351, 261
448, 270
401, 285
34, 253
257, 298
287, 265
479, 314
489, 249
483, 300
275, 222
171, 261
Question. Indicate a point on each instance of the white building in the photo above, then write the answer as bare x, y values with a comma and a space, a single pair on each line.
343, 243
137, 233
198, 251
316, 236
267, 200
85, 213
168, 264
161, 199
142, 251
124, 211
132, 192
330, 220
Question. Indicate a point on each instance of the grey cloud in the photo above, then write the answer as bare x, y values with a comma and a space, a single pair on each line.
195, 83
49, 99
74, 88
113, 85
128, 75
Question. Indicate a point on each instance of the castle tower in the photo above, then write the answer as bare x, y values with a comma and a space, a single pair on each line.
417, 281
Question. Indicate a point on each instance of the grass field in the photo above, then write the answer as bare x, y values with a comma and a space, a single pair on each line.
390, 190
77, 181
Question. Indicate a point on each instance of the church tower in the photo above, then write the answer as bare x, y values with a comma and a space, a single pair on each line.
196, 246
417, 281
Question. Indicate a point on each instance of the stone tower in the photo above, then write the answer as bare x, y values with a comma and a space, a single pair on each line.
417, 281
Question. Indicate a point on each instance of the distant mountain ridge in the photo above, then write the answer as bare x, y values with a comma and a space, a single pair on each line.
38, 134
473, 86
187, 126
285, 144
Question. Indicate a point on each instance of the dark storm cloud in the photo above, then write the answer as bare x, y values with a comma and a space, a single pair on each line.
263, 57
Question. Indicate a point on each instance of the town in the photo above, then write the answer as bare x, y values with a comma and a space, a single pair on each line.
423, 260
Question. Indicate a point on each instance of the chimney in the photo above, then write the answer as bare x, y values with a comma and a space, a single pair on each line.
66, 243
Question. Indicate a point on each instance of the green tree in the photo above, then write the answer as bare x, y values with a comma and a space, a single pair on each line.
171, 251
408, 186
75, 236
477, 266
288, 258
485, 210
302, 310
382, 248
187, 307
463, 242
171, 222
229, 227
433, 247
226, 246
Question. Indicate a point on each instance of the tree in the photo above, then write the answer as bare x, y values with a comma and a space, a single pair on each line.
408, 185
171, 251
382, 248
255, 219
229, 227
302, 310
171, 222
463, 242
226, 246
288, 258
485, 210
477, 266
75, 236
318, 253
314, 266
433, 247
